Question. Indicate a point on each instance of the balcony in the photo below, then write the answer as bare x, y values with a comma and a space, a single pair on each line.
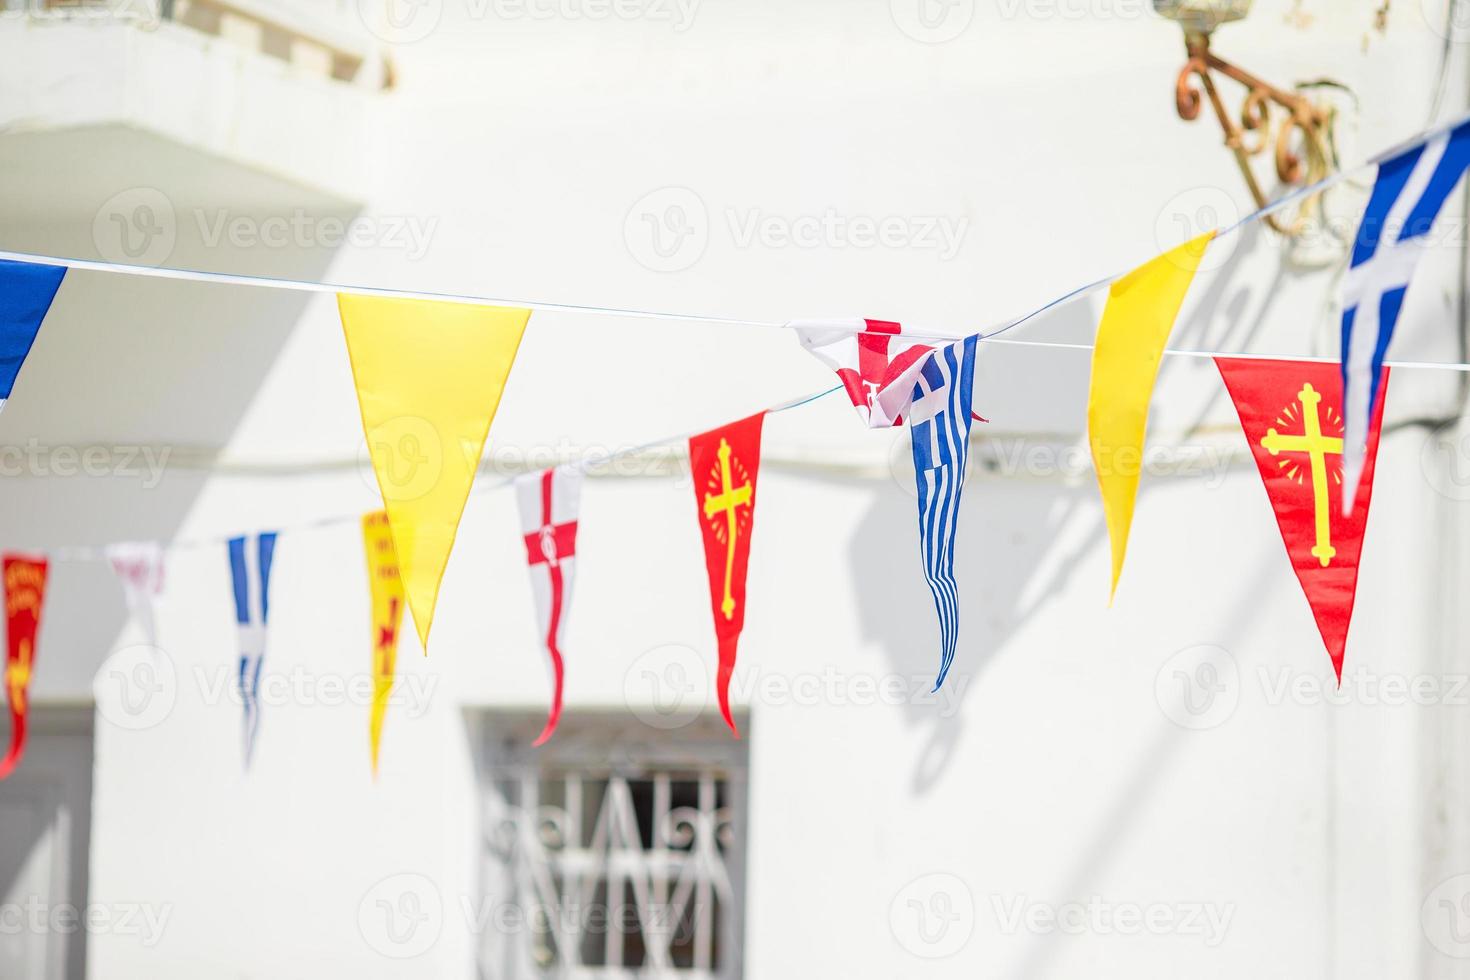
283, 90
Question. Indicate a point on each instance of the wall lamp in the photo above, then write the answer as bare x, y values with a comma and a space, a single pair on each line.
1301, 141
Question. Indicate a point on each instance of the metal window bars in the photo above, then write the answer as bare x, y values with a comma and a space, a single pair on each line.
613, 852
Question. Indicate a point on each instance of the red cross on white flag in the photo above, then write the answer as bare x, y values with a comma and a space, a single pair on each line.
875, 361
549, 503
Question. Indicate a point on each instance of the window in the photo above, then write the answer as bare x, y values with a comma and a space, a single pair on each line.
616, 850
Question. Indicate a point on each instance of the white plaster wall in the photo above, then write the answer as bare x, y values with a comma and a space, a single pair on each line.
1318, 829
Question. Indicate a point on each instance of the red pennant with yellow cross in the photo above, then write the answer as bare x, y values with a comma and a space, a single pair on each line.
1291, 412
725, 464
25, 589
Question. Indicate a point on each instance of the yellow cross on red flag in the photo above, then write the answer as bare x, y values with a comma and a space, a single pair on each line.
25, 590
1136, 323
1292, 415
429, 377
725, 464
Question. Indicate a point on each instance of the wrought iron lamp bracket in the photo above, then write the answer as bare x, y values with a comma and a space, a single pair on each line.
1252, 134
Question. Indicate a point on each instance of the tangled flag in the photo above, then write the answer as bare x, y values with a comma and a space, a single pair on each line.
1136, 323
28, 290
429, 377
25, 590
386, 590
250, 570
1292, 415
874, 360
139, 567
939, 426
1410, 189
549, 504
725, 463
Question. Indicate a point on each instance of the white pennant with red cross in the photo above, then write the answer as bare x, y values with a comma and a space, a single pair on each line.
549, 503
876, 361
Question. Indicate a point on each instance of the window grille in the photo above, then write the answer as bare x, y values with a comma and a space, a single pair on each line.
614, 851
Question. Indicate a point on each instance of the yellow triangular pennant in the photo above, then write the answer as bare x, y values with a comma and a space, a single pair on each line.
1136, 323
429, 376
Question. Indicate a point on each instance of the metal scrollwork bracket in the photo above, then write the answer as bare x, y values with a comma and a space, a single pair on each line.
1302, 145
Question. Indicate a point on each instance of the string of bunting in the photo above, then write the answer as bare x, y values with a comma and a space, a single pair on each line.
1313, 427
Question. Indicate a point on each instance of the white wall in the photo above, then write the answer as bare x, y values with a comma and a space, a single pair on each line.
1318, 829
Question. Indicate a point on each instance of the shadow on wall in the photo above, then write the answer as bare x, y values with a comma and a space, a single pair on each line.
998, 558
127, 372
995, 561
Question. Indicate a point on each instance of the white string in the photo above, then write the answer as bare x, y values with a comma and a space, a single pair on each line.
99, 553
301, 285
991, 336
1180, 352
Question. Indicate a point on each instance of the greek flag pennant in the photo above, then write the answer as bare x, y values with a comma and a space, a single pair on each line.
939, 425
549, 504
26, 292
250, 569
1407, 196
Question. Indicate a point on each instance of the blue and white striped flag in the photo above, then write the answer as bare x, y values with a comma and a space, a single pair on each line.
1411, 188
939, 423
250, 567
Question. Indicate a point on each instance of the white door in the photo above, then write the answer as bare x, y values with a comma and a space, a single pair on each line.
45, 823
